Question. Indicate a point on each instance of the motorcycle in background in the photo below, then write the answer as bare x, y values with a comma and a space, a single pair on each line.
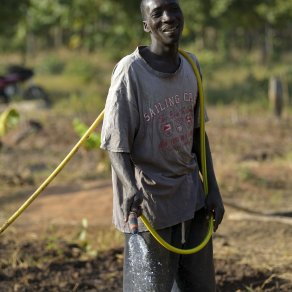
11, 84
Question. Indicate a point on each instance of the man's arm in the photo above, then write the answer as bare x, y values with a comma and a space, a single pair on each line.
214, 201
124, 168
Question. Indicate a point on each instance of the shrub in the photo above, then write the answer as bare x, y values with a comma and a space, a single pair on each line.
52, 65
82, 68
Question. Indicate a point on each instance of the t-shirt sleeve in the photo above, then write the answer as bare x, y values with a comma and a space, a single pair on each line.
121, 119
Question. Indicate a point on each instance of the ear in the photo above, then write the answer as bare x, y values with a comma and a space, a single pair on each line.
146, 27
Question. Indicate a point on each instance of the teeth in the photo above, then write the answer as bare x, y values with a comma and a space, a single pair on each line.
170, 29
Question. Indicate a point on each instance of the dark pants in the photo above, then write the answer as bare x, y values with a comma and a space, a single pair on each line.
172, 272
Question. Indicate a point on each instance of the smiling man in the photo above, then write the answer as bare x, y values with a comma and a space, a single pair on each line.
151, 130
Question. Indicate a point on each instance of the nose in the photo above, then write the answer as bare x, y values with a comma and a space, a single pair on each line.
168, 17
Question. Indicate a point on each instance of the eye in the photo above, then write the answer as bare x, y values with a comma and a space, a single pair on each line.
156, 13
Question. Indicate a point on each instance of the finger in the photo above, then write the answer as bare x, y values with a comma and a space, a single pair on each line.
218, 216
138, 199
135, 206
209, 206
210, 215
215, 222
139, 211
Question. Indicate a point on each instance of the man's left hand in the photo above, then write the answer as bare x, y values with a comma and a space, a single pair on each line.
215, 206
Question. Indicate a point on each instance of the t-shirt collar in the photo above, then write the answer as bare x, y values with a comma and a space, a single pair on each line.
153, 71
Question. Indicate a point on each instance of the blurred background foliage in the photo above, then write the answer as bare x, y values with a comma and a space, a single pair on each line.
31, 25
251, 37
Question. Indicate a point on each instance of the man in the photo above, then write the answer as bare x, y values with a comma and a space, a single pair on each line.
151, 130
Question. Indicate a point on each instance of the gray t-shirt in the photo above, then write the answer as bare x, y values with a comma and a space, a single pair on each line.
152, 116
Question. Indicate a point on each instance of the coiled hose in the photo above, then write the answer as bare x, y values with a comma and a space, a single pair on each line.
95, 124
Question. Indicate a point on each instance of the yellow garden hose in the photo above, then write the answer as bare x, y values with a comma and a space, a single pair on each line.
175, 249
53, 174
202, 120
145, 221
204, 172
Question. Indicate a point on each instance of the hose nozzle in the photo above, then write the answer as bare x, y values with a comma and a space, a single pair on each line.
133, 222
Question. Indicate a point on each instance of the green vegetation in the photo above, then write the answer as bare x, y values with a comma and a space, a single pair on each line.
93, 142
115, 25
8, 120
73, 45
81, 84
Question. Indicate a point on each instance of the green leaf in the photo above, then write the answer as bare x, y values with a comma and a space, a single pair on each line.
93, 142
8, 120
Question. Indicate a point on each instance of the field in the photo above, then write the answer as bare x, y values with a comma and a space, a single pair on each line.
65, 242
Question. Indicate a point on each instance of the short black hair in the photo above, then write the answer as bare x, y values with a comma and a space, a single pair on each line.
143, 7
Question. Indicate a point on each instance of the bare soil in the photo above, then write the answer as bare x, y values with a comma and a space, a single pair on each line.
48, 248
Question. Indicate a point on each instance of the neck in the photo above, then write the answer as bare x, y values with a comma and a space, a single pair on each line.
169, 53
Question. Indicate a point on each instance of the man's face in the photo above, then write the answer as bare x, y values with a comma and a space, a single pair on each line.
164, 20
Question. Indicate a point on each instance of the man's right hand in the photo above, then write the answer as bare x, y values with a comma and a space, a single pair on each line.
133, 203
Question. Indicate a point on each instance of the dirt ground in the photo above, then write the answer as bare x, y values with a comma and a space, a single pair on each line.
51, 248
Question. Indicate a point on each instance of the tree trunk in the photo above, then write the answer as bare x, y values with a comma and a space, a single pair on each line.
267, 50
58, 37
276, 96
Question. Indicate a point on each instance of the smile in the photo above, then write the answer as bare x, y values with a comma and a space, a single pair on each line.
170, 29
